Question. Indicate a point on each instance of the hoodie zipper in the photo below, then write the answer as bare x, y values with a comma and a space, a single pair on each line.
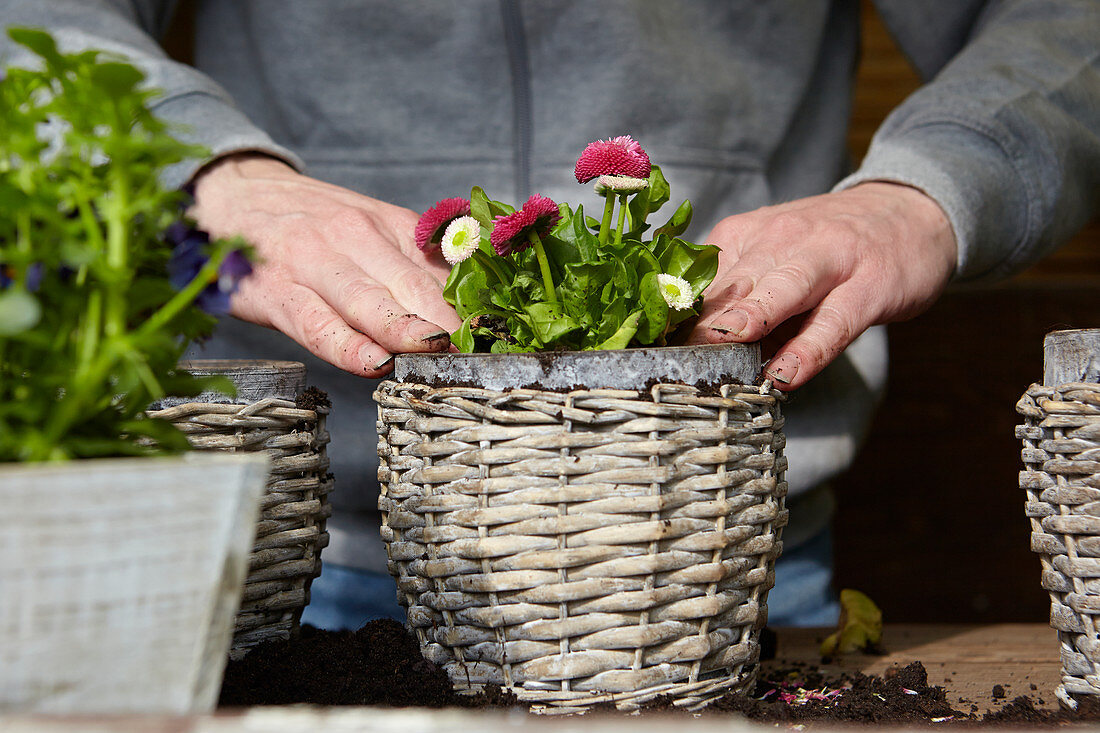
515, 38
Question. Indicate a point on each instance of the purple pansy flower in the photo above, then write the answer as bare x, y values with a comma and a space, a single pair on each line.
33, 279
189, 257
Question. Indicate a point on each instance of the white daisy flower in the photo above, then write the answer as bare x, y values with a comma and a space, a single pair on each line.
460, 239
676, 291
620, 184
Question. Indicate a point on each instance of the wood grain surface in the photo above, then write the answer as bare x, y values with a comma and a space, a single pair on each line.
966, 660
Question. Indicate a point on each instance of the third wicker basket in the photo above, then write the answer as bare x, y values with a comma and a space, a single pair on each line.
1061, 455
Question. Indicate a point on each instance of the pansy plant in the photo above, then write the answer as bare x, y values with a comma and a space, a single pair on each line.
548, 277
102, 285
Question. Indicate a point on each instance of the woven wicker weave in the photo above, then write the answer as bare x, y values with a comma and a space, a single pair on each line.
1061, 455
585, 547
290, 533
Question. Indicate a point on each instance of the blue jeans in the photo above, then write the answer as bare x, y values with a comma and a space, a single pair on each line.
346, 598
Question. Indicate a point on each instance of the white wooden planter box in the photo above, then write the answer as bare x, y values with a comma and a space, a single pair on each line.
120, 581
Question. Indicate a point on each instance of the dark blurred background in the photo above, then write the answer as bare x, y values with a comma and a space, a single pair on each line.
930, 520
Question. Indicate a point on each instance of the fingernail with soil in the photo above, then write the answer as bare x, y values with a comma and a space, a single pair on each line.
427, 333
434, 339
783, 368
731, 322
385, 362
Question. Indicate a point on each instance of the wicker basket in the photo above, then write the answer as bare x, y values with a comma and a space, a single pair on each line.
585, 546
1061, 456
290, 532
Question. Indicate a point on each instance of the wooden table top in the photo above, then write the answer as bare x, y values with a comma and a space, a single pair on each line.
966, 660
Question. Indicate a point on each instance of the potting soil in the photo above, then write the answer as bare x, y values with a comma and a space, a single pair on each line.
380, 664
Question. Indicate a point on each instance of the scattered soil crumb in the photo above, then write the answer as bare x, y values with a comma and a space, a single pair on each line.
311, 399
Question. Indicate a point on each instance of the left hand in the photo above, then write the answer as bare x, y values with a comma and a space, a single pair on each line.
833, 265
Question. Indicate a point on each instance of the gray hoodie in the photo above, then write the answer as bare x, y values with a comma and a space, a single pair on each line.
743, 103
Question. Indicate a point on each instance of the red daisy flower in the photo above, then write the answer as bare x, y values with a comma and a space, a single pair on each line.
510, 231
433, 222
619, 156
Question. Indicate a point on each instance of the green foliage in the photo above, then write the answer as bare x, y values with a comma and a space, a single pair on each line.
605, 291
90, 328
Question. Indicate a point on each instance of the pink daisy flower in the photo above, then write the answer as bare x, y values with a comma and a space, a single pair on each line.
433, 222
619, 156
511, 231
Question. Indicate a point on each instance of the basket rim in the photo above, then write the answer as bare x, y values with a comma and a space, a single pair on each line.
597, 369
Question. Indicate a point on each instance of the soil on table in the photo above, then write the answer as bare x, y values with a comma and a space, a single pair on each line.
380, 664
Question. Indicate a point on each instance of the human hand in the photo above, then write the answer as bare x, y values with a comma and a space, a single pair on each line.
338, 271
831, 266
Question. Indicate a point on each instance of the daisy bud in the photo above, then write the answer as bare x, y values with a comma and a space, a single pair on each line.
461, 239
676, 291
620, 184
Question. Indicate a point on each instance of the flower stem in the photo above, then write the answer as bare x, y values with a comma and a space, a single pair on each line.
608, 210
544, 265
622, 220
182, 299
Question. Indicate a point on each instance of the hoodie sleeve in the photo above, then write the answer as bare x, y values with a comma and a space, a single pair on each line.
1006, 134
201, 110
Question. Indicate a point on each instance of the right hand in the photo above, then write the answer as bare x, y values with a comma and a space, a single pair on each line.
338, 272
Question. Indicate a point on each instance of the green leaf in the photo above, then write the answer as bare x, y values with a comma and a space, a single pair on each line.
19, 311
659, 190
463, 338
696, 263
117, 79
466, 287
499, 208
678, 222
655, 311
182, 384
621, 338
163, 433
479, 207
550, 323
648, 200
859, 627
581, 237
38, 41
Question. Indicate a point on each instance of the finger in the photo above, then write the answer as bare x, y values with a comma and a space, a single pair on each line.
431, 262
787, 290
367, 220
826, 331
725, 291
412, 278
735, 280
370, 307
310, 321
421, 293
